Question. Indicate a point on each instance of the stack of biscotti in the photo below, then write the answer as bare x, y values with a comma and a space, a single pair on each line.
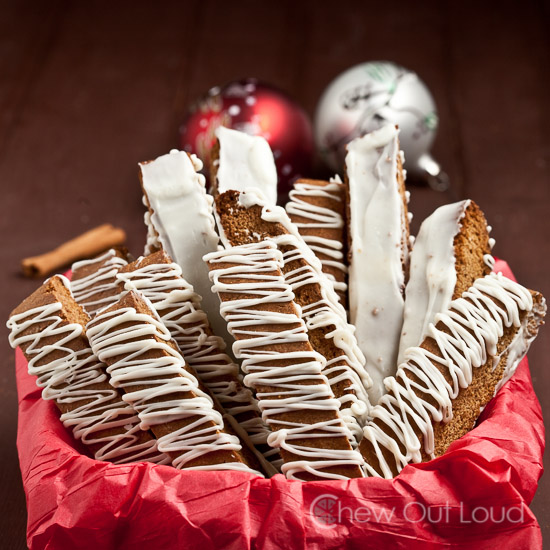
431, 324
281, 366
442, 386
165, 415
245, 218
243, 165
367, 217
159, 279
395, 312
48, 326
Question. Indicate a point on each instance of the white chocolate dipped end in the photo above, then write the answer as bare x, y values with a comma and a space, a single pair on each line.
451, 251
425, 386
378, 251
137, 347
245, 162
432, 277
77, 382
181, 215
273, 346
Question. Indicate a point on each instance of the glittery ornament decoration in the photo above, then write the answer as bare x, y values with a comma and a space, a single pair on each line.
369, 95
259, 109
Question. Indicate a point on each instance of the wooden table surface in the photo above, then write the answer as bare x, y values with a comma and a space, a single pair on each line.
88, 89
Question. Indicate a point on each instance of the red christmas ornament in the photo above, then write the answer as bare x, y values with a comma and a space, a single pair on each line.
257, 109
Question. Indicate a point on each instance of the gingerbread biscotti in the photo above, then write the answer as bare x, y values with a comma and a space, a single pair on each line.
48, 327
246, 218
439, 391
317, 209
159, 279
181, 222
280, 365
378, 249
142, 361
452, 250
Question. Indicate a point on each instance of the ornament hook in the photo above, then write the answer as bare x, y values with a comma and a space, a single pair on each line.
431, 171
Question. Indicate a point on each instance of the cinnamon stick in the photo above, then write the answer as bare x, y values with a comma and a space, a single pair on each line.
88, 244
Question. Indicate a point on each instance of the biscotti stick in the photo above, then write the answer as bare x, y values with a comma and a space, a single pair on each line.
142, 361
92, 242
159, 279
181, 217
242, 162
438, 393
280, 364
245, 218
451, 251
93, 282
47, 327
378, 249
317, 208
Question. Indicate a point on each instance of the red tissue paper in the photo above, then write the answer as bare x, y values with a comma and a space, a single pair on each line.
474, 496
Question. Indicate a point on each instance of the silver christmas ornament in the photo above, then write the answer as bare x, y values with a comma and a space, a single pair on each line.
367, 96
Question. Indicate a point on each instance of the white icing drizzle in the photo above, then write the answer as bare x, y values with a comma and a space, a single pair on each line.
320, 218
259, 264
72, 379
182, 217
488, 258
327, 313
517, 350
179, 309
475, 323
127, 350
432, 277
86, 290
378, 251
246, 162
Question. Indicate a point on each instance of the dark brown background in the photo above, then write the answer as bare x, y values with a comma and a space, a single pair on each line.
88, 89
